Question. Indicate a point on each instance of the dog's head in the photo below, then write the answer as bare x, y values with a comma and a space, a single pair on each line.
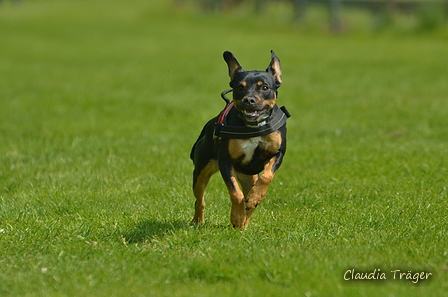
254, 92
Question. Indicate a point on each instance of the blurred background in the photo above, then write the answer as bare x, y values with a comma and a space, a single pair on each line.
146, 68
376, 14
101, 101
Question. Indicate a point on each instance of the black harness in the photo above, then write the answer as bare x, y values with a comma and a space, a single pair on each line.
275, 121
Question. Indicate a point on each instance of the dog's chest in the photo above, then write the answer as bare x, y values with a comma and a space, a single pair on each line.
243, 150
249, 146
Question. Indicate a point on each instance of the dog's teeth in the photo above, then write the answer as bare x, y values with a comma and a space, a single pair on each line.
251, 112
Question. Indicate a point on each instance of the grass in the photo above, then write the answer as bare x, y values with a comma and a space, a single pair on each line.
102, 100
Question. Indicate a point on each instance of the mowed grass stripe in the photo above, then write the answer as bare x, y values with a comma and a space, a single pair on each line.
102, 100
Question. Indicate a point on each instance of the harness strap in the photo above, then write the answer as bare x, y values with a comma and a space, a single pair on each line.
224, 113
273, 123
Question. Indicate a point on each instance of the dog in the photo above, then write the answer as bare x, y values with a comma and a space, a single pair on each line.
246, 142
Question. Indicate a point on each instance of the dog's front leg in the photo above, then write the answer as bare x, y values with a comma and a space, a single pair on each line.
259, 190
238, 213
247, 182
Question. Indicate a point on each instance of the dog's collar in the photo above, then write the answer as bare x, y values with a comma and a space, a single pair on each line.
276, 120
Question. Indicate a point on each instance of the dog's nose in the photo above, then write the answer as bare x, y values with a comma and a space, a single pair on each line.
249, 100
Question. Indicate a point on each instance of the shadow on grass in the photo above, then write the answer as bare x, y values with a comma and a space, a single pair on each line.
148, 230
151, 229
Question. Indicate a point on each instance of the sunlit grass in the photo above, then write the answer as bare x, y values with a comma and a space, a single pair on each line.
102, 100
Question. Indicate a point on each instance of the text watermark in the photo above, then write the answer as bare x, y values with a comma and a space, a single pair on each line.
394, 274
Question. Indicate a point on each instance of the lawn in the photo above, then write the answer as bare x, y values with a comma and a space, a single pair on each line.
101, 101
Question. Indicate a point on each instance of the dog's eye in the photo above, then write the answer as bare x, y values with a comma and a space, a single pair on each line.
264, 88
240, 88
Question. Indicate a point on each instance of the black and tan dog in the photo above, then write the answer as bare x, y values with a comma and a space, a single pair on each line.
246, 142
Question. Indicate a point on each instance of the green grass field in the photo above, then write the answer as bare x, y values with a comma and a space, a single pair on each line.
100, 102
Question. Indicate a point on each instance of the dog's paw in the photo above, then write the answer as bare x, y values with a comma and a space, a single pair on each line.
251, 205
240, 225
239, 220
198, 220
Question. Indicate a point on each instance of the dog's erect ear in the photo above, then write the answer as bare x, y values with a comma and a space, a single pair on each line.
275, 69
234, 66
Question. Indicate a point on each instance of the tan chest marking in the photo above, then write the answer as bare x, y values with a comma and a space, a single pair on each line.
244, 148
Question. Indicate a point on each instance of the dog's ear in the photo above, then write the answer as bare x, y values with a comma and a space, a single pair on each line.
275, 69
234, 66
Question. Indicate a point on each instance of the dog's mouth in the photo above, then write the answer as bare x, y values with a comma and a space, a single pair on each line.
254, 116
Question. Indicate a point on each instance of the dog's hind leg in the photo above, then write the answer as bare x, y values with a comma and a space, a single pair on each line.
201, 177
